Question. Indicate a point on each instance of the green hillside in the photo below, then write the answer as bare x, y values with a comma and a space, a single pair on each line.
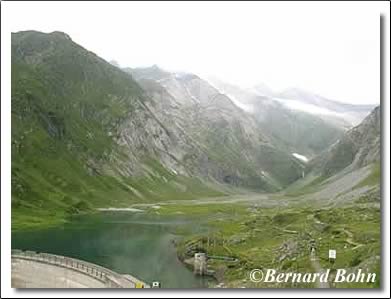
67, 105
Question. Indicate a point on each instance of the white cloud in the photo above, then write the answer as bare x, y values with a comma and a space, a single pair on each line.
328, 48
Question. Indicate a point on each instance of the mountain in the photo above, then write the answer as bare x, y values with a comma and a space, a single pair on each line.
88, 134
296, 131
314, 99
231, 147
349, 171
85, 134
303, 100
82, 135
115, 63
359, 147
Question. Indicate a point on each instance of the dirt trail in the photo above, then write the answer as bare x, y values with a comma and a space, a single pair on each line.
318, 269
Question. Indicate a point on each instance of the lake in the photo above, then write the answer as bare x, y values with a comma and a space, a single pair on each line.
139, 244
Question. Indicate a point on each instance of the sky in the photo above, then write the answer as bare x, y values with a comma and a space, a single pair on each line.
330, 48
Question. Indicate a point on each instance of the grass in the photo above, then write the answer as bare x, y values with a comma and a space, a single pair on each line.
272, 238
310, 187
55, 206
67, 105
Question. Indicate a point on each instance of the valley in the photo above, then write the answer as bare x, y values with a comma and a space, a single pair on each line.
115, 163
259, 231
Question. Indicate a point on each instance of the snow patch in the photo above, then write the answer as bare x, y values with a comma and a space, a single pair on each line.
300, 157
309, 108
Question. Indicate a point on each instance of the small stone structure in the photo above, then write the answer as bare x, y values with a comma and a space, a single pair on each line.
200, 264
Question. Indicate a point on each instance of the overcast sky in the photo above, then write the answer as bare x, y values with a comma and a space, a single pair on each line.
328, 48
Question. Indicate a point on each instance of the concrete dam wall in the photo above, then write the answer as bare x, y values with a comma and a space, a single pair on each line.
42, 270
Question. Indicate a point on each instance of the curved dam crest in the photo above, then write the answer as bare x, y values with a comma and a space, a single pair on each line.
42, 270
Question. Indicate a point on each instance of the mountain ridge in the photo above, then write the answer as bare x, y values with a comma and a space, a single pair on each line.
87, 134
358, 147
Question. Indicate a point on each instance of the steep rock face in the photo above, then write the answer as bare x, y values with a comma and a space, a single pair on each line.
82, 135
226, 144
358, 147
86, 134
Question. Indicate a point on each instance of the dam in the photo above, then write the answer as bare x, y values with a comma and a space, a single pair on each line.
42, 270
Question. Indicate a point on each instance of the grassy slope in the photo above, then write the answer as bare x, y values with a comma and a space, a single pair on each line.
65, 101
257, 237
313, 183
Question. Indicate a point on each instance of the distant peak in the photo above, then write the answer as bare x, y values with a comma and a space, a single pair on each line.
39, 34
61, 34
114, 62
156, 67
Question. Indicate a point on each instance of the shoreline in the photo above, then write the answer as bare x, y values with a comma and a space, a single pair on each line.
120, 210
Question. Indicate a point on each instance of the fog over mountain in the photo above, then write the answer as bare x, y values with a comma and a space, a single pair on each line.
150, 120
91, 137
339, 60
185, 145
343, 114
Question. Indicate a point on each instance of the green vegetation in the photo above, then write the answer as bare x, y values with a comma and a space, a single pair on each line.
67, 105
306, 187
280, 239
69, 108
63, 107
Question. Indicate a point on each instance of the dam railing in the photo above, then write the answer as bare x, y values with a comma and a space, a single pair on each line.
110, 278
